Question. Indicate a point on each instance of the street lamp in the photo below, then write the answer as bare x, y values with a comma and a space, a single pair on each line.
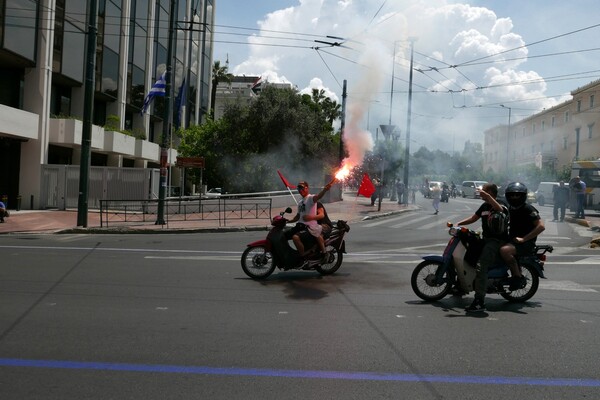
507, 133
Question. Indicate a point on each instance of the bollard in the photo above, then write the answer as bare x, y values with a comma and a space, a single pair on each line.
18, 203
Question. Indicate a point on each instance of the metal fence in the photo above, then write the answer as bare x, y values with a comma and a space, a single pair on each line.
60, 185
127, 212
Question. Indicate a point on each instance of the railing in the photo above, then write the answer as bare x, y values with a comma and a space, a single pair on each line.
129, 212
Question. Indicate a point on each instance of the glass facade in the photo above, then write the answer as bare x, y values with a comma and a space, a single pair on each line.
19, 27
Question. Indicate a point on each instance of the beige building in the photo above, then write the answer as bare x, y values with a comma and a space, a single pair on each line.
552, 138
241, 90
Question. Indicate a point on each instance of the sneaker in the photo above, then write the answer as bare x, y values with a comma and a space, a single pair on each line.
476, 306
517, 282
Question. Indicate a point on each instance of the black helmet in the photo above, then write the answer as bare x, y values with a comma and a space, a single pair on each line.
516, 194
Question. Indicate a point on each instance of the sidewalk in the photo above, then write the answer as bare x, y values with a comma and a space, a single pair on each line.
53, 221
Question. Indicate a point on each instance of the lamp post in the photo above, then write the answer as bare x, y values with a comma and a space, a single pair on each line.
507, 133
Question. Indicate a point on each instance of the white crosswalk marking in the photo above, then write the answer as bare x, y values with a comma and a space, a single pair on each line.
412, 221
437, 224
382, 221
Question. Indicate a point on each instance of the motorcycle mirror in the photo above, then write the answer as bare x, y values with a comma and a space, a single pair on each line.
288, 210
449, 224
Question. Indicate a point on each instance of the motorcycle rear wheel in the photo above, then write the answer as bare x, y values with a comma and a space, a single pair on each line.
522, 295
422, 281
257, 262
334, 263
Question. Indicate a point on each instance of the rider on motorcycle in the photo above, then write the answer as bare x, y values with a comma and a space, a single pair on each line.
492, 242
525, 226
308, 230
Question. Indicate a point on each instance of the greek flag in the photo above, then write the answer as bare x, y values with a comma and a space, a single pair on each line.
158, 89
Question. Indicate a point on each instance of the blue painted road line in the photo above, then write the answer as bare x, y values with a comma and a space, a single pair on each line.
301, 374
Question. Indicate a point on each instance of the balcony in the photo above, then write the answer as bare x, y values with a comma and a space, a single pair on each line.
119, 143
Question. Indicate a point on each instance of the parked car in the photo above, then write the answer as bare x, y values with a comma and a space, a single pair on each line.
472, 188
544, 194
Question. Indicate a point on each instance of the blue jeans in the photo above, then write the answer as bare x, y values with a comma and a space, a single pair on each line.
580, 204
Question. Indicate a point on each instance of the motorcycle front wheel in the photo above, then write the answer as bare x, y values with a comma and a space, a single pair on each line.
524, 294
334, 262
257, 262
423, 281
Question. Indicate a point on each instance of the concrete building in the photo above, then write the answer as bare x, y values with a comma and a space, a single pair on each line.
552, 138
42, 74
241, 89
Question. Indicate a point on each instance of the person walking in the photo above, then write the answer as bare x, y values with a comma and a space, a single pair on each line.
436, 194
561, 198
579, 187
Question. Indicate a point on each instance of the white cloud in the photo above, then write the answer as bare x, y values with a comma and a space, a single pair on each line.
448, 35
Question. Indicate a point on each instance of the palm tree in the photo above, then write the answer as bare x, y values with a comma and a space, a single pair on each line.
219, 74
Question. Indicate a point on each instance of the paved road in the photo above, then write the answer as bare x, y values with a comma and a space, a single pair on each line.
173, 316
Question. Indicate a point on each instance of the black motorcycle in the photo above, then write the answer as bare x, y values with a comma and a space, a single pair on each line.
261, 257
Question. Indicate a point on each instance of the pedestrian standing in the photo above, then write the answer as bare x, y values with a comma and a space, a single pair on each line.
399, 190
579, 187
561, 197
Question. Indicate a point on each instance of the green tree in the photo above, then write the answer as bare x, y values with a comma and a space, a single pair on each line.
277, 130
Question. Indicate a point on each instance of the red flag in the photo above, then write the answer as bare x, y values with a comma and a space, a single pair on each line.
366, 186
285, 181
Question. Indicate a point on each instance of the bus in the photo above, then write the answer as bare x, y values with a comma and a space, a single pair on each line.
589, 172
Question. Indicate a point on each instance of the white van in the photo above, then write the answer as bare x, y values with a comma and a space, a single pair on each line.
544, 194
472, 188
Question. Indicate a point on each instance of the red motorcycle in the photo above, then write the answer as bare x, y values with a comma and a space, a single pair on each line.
261, 257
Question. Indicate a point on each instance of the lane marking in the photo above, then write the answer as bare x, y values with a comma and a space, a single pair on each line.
300, 374
568, 286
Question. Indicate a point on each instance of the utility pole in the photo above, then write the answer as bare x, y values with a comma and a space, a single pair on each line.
167, 117
88, 110
343, 123
408, 117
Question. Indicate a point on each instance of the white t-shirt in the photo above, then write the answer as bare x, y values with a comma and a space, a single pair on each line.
307, 206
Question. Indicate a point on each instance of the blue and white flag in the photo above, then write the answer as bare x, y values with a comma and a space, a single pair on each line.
158, 89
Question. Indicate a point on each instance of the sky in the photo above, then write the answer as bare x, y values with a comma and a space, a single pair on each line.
469, 59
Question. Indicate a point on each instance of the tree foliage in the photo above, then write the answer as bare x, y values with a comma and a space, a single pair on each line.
279, 129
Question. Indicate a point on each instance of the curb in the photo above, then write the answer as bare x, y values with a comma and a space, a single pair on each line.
127, 230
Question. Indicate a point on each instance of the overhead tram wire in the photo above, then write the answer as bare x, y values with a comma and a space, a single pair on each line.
529, 44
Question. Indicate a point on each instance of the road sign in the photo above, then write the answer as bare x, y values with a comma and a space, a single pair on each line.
190, 162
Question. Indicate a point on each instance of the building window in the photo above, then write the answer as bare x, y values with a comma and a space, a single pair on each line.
566, 116
578, 105
552, 121
590, 129
533, 128
564, 143
543, 125
592, 101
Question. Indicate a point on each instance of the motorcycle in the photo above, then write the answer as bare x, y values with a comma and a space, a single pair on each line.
454, 271
261, 257
445, 195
